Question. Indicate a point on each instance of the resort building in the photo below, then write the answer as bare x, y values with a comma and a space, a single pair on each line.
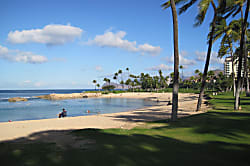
228, 66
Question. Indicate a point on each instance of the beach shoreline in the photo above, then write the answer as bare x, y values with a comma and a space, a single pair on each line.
126, 120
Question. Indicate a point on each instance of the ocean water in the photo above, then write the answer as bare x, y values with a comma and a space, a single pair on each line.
36, 108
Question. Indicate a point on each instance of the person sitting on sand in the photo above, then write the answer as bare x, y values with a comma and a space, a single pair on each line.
63, 113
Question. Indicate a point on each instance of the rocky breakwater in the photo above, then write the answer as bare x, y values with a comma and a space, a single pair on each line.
15, 99
69, 96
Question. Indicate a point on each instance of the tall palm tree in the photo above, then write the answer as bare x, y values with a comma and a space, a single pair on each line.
166, 81
107, 80
176, 58
127, 69
121, 82
197, 71
230, 35
234, 8
94, 82
242, 40
203, 8
162, 79
98, 86
181, 67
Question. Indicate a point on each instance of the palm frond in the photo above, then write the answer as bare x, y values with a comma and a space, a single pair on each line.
167, 4
186, 6
203, 6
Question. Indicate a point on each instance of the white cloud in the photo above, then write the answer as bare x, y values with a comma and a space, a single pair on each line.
182, 60
98, 68
52, 34
21, 56
146, 48
201, 56
116, 40
161, 67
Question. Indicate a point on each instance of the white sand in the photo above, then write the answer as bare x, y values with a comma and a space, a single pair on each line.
126, 120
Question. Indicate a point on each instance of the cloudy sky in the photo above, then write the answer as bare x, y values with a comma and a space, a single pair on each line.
68, 43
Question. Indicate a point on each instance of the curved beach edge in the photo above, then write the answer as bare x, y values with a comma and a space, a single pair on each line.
126, 120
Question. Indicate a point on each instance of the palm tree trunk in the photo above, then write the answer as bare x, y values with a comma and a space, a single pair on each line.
233, 74
204, 77
237, 96
176, 63
246, 67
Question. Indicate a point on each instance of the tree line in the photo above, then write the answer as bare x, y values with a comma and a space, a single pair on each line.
223, 10
234, 36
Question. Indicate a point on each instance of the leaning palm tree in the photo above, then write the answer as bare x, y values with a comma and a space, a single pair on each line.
176, 57
203, 8
242, 40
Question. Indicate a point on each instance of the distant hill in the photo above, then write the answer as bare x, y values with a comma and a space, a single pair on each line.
216, 73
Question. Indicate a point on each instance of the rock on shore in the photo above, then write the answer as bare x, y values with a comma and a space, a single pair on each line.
68, 96
15, 99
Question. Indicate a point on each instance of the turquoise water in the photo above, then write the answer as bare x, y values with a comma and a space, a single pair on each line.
36, 108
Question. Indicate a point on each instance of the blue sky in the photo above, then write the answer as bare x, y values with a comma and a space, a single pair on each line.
68, 43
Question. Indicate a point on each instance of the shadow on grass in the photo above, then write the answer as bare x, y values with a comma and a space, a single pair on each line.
212, 138
153, 114
222, 124
154, 146
121, 149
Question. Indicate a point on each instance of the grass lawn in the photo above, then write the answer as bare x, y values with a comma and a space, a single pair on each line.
218, 137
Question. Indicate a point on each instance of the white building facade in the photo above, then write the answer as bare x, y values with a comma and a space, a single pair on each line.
228, 66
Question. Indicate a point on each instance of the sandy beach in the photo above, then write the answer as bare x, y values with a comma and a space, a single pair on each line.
125, 120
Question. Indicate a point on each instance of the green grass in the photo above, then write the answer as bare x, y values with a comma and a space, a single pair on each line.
218, 137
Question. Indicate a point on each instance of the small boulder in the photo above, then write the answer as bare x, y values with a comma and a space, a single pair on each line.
15, 99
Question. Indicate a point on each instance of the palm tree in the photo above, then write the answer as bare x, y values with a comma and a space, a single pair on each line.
176, 58
181, 67
98, 85
94, 82
197, 71
127, 69
166, 81
107, 80
120, 72
192, 80
128, 82
122, 83
203, 8
242, 40
234, 8
115, 78
231, 35
162, 79
210, 78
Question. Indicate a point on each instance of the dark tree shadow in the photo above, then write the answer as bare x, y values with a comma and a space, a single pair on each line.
121, 149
